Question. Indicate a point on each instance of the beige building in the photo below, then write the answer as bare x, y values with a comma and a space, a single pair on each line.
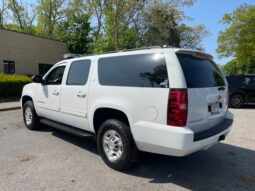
27, 54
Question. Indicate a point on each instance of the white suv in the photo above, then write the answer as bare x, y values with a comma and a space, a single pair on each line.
160, 100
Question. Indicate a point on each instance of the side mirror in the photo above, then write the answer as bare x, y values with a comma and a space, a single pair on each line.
37, 79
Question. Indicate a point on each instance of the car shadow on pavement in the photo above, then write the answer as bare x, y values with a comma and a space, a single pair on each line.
87, 143
250, 106
222, 167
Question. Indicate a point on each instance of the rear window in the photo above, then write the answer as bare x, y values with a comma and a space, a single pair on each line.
200, 72
144, 70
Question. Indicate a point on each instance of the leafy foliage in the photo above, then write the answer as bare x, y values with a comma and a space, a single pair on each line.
236, 66
74, 28
105, 25
238, 39
49, 12
163, 24
3, 10
115, 24
21, 16
11, 85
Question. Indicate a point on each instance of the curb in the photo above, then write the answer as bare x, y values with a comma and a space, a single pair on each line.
9, 109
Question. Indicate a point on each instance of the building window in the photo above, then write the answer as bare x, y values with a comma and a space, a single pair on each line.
9, 67
44, 68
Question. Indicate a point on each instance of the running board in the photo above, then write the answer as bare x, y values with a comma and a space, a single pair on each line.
67, 128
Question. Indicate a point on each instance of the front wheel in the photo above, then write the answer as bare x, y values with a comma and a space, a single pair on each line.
30, 117
116, 145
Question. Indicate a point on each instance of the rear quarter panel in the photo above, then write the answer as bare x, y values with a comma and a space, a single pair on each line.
138, 103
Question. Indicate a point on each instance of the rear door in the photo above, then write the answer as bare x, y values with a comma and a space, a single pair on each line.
207, 91
74, 95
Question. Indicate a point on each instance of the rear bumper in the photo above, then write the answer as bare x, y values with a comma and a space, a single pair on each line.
177, 141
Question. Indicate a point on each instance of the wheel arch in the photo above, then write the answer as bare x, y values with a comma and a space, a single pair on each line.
26, 98
102, 113
242, 93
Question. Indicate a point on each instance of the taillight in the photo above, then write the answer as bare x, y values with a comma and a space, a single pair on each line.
177, 109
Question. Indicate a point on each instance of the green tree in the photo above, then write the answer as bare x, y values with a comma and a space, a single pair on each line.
75, 27
236, 67
114, 28
238, 39
22, 16
3, 8
49, 13
132, 23
232, 67
191, 37
163, 22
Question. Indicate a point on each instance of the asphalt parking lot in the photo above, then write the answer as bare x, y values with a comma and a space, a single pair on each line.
53, 160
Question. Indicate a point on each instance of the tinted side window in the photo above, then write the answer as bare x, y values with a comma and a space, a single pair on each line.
249, 80
55, 76
234, 80
144, 70
78, 72
252, 81
200, 72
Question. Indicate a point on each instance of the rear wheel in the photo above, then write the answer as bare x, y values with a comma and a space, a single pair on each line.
116, 145
236, 101
30, 117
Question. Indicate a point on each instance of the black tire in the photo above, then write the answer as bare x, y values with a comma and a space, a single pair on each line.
236, 101
129, 154
35, 120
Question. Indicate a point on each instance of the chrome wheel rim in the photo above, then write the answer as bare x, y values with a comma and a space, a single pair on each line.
112, 145
28, 116
237, 100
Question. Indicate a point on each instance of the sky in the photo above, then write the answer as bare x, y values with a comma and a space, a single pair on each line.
209, 13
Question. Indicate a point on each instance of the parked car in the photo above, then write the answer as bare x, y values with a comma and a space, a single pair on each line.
160, 100
241, 90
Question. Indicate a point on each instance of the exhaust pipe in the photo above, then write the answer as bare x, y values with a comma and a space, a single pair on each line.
222, 138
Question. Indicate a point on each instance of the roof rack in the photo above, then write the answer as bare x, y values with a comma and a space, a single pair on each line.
131, 49
70, 55
144, 48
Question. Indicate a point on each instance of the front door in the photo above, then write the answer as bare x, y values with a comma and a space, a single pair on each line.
74, 95
48, 94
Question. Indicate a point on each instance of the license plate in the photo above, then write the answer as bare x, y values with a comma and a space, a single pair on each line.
215, 108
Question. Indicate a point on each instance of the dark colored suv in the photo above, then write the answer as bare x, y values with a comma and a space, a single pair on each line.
241, 90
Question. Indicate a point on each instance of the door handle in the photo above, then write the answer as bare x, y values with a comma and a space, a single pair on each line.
56, 93
81, 95
221, 88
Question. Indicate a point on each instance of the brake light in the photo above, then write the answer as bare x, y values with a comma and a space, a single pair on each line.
177, 109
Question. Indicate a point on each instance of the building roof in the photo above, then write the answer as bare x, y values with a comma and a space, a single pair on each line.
25, 33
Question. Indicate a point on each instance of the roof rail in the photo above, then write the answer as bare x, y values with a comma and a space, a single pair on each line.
140, 48
133, 49
70, 55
